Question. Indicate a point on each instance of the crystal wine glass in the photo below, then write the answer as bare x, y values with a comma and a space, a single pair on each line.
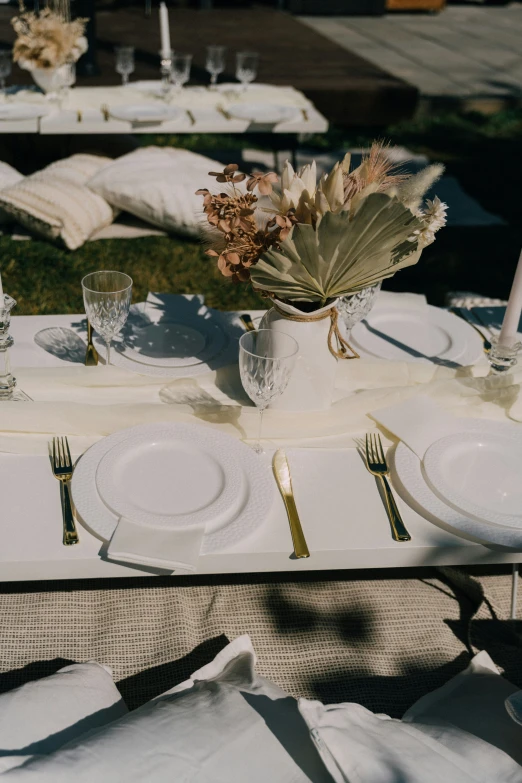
124, 62
181, 64
246, 67
354, 308
107, 298
5, 69
266, 361
215, 63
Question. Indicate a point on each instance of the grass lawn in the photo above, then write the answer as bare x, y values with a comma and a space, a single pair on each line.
483, 153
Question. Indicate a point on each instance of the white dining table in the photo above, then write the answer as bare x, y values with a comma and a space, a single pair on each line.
341, 511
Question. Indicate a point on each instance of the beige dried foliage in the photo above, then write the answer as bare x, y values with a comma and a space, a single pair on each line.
45, 40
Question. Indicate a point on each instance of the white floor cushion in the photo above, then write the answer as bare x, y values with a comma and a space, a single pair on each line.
430, 744
158, 185
8, 175
42, 715
224, 725
56, 204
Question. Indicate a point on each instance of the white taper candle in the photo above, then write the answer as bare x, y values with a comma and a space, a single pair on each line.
164, 31
509, 329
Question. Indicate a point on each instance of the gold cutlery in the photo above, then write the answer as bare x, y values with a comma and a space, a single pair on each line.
224, 112
191, 117
284, 482
378, 466
305, 115
79, 115
247, 322
63, 470
105, 111
485, 342
91, 354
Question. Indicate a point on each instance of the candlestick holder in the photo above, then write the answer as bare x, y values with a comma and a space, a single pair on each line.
8, 390
166, 75
502, 358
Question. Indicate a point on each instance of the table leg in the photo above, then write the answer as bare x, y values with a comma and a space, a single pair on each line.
514, 591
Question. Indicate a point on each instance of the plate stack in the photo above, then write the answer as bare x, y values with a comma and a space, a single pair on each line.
180, 489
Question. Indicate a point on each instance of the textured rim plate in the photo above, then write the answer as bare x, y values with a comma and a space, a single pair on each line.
479, 474
102, 522
145, 113
171, 475
263, 112
216, 342
407, 469
164, 344
22, 111
428, 335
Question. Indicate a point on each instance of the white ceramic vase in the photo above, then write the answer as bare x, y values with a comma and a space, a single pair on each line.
312, 383
50, 80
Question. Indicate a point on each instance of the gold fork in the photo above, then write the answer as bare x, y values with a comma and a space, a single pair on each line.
105, 111
247, 322
63, 470
378, 466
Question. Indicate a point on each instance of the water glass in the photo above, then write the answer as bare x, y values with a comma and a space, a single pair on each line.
354, 308
5, 68
180, 69
124, 62
107, 298
246, 67
266, 361
215, 63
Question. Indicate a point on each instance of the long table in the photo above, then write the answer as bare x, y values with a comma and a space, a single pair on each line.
341, 511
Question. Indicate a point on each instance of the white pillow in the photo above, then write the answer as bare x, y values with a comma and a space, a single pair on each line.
427, 746
224, 725
8, 175
158, 185
41, 716
56, 204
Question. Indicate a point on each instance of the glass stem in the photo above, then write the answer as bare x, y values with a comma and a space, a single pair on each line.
257, 447
108, 352
213, 79
125, 79
3, 87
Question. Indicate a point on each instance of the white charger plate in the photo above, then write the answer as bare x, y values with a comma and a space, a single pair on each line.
424, 335
172, 476
410, 481
22, 111
269, 113
102, 522
163, 344
145, 113
479, 473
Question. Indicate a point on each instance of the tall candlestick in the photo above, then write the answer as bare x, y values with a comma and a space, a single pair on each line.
164, 31
509, 329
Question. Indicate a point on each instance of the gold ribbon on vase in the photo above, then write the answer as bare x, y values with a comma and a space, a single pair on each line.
333, 314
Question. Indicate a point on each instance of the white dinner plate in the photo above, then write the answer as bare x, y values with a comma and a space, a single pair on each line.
173, 476
269, 113
410, 480
145, 113
428, 335
22, 111
258, 499
479, 473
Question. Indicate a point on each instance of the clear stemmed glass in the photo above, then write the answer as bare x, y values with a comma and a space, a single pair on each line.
246, 67
124, 62
215, 63
107, 298
355, 307
5, 69
266, 361
180, 69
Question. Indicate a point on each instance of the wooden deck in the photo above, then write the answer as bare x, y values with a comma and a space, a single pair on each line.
346, 88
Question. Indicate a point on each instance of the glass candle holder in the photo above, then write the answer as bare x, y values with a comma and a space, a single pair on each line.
8, 390
166, 73
502, 358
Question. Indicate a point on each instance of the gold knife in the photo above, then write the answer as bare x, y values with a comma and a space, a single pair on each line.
284, 482
247, 322
191, 117
91, 354
224, 112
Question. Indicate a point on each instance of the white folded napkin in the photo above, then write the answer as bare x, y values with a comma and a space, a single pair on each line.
172, 550
418, 422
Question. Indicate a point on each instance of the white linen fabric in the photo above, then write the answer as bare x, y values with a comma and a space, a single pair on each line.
173, 550
158, 185
418, 423
56, 204
225, 725
474, 701
9, 175
41, 716
448, 735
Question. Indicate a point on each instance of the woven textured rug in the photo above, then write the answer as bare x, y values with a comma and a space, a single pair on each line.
381, 639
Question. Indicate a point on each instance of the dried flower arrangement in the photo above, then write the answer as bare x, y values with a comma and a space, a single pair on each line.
46, 40
311, 242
